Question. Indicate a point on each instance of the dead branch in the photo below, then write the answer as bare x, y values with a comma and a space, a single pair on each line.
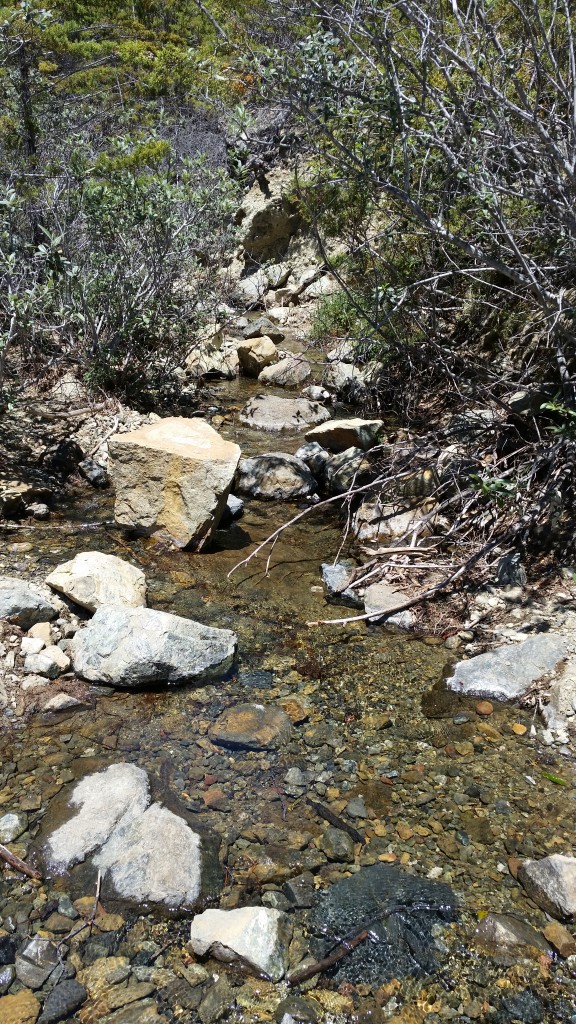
334, 819
323, 965
18, 864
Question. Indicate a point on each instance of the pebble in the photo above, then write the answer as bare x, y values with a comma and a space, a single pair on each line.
484, 708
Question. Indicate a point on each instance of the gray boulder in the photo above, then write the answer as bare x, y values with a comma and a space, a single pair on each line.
346, 470
508, 672
276, 477
334, 577
144, 851
287, 373
257, 936
133, 647
551, 883
338, 435
263, 327
93, 578
268, 412
23, 604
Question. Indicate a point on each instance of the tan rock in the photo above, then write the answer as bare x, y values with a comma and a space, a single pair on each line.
103, 973
338, 435
255, 354
173, 476
289, 372
93, 578
41, 631
23, 1008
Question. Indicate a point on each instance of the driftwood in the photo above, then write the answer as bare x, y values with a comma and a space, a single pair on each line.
328, 815
18, 864
323, 965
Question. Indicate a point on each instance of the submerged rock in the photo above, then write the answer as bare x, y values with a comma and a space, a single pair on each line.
400, 912
258, 936
173, 476
133, 647
252, 727
23, 604
508, 672
268, 412
93, 578
144, 851
276, 477
503, 930
551, 883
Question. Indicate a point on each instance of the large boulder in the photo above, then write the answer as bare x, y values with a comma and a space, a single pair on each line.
257, 936
255, 354
23, 604
268, 412
173, 476
346, 470
508, 672
276, 477
144, 851
218, 361
134, 647
288, 373
263, 327
92, 578
338, 435
377, 522
268, 218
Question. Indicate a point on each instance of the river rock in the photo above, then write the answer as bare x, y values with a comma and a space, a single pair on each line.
263, 327
338, 435
346, 470
277, 477
258, 936
133, 647
377, 522
252, 727
268, 412
63, 1001
172, 476
23, 1008
23, 603
551, 883
50, 662
287, 373
36, 961
337, 845
214, 361
316, 458
144, 851
497, 930
334, 577
268, 218
92, 578
340, 376
256, 354
508, 672
380, 597
11, 826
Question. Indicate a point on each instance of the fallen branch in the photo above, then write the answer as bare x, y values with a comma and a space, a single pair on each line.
18, 864
323, 965
328, 815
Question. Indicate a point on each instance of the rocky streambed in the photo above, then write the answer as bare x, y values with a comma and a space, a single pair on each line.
309, 826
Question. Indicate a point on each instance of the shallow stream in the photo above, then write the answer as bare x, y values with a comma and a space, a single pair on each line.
449, 795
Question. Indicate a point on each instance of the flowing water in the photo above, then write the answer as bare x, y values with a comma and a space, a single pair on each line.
448, 795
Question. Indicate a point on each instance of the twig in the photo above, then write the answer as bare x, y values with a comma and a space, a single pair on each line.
323, 965
18, 864
126, 547
334, 819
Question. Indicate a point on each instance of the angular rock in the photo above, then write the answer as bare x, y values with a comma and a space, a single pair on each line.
505, 930
94, 473
12, 826
50, 662
287, 373
263, 327
23, 1008
61, 702
172, 476
338, 435
337, 845
31, 645
36, 961
334, 577
551, 883
24, 604
379, 597
316, 393
276, 477
93, 578
268, 412
316, 458
133, 647
268, 218
144, 851
508, 672
252, 727
346, 470
340, 376
63, 1001
251, 290
255, 355
258, 936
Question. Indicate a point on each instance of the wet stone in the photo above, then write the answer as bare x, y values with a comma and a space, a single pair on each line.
22, 1008
399, 910
300, 1010
35, 962
7, 975
300, 890
12, 826
62, 1001
252, 727
337, 845
218, 1000
524, 1006
7, 950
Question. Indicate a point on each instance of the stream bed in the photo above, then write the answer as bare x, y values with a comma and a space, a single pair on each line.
433, 788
